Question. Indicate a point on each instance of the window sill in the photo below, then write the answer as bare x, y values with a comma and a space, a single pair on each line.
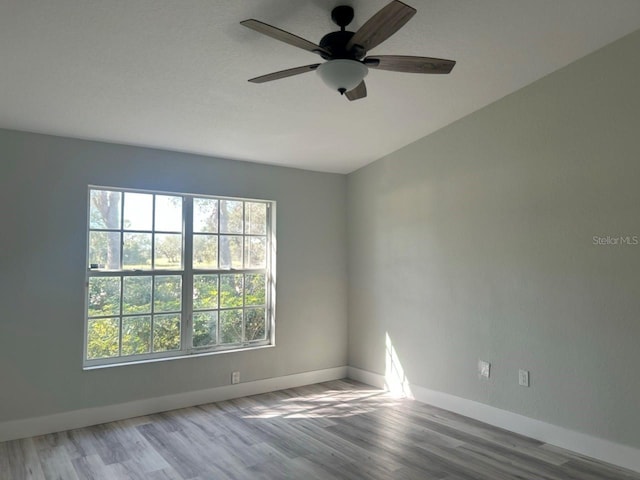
177, 357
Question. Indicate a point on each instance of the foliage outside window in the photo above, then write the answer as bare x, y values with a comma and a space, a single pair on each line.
176, 274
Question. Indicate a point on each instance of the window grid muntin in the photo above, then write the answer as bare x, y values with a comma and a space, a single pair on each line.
152, 313
187, 273
121, 230
244, 307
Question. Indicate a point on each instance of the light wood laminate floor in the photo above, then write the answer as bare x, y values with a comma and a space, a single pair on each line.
334, 430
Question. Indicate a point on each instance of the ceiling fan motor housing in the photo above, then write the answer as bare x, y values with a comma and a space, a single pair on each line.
336, 42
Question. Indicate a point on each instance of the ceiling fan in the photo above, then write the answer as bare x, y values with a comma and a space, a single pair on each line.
345, 52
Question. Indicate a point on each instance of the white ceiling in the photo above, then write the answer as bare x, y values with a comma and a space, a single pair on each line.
173, 74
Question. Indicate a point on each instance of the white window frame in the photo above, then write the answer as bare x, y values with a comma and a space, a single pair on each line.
187, 272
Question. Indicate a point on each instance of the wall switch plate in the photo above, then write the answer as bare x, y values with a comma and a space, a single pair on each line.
523, 377
484, 368
235, 377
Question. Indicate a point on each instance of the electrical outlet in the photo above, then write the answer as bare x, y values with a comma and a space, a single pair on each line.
523, 377
235, 377
484, 369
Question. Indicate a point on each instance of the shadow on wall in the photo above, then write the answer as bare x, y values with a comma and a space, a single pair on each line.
395, 380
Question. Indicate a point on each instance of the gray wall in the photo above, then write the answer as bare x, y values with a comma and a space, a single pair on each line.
476, 242
43, 188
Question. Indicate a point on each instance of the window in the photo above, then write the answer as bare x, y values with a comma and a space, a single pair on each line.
174, 274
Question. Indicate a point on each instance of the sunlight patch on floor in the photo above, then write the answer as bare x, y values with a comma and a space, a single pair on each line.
333, 404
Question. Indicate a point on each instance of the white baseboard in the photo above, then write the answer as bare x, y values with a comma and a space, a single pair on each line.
604, 450
365, 376
58, 422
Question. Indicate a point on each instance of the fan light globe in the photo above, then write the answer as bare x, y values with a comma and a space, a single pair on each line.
342, 75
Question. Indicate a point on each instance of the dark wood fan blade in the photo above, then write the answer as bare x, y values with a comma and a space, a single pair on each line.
283, 36
382, 25
408, 64
284, 73
359, 92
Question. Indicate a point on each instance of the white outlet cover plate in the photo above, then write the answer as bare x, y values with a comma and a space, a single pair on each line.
523, 377
484, 368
